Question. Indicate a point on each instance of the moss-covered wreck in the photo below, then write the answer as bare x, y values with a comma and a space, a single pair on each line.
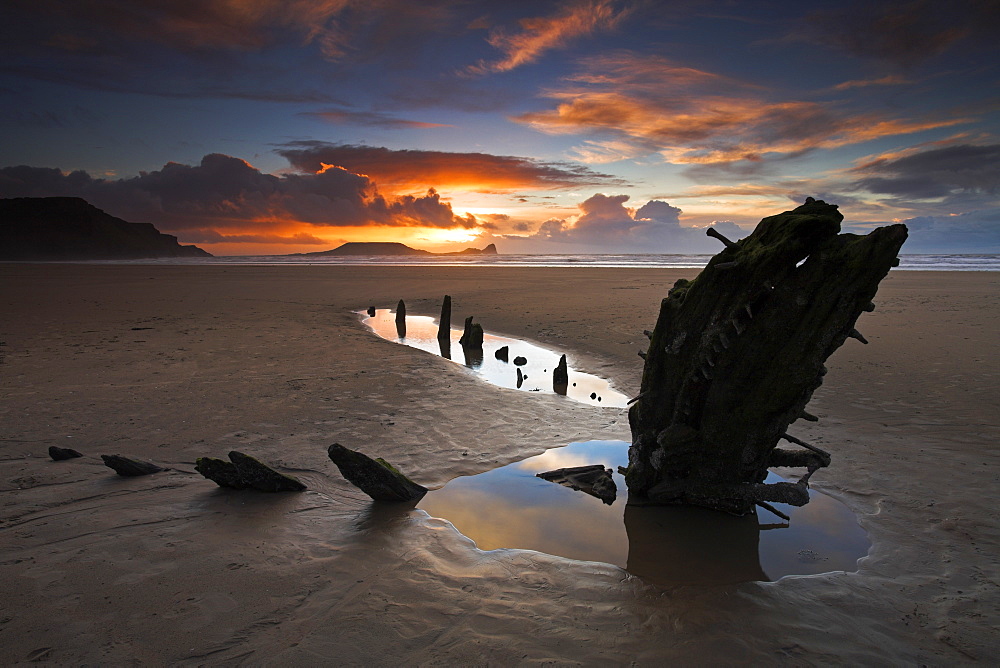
737, 353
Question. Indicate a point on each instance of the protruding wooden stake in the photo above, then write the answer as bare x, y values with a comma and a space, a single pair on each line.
771, 509
635, 398
401, 319
819, 451
712, 232
444, 325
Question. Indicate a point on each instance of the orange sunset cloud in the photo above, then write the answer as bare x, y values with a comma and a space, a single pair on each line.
414, 170
694, 117
541, 34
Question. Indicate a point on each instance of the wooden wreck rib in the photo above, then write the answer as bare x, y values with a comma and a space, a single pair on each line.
737, 353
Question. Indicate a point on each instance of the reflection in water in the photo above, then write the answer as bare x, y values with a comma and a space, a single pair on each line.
473, 357
510, 508
688, 545
536, 375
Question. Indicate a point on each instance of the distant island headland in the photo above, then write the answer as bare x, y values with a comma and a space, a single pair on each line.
70, 228
392, 248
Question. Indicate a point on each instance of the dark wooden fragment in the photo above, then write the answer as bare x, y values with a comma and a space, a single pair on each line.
401, 319
221, 472
130, 467
60, 454
375, 477
594, 480
444, 324
244, 471
502, 353
560, 377
472, 336
259, 475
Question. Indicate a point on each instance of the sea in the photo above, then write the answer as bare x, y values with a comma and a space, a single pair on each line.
907, 262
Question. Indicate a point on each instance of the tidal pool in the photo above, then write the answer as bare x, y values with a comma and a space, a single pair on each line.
510, 507
536, 374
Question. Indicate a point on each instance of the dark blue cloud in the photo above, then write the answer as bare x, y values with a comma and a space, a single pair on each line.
227, 192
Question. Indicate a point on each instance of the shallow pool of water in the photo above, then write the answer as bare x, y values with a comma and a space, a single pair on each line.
510, 507
536, 374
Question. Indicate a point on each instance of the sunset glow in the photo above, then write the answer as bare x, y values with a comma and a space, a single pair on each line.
294, 127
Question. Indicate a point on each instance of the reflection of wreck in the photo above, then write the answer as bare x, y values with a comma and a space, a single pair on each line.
737, 353
472, 343
593, 479
686, 545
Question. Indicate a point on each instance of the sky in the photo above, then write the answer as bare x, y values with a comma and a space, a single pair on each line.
254, 127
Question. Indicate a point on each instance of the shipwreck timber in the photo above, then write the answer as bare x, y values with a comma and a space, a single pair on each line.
737, 353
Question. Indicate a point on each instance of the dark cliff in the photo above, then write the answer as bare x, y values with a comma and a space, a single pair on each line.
70, 228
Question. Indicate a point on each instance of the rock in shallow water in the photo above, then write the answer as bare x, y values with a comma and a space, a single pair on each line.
375, 477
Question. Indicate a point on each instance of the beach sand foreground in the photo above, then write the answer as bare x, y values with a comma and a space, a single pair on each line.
171, 363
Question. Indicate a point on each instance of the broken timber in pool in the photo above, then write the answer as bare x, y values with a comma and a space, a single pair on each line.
737, 353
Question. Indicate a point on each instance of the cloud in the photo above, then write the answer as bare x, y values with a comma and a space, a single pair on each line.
740, 190
947, 180
210, 236
903, 33
973, 232
693, 117
606, 223
73, 116
269, 50
888, 80
226, 193
460, 94
541, 34
407, 170
369, 118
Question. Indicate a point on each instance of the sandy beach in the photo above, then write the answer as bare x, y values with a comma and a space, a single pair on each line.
171, 363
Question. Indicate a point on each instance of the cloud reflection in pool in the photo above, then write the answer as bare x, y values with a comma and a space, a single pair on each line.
421, 332
511, 508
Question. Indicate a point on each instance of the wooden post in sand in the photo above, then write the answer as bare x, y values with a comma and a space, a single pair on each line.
560, 377
401, 319
444, 324
737, 353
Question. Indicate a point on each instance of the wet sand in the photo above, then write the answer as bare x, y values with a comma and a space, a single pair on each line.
172, 363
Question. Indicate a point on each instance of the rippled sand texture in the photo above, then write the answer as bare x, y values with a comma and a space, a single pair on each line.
171, 363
